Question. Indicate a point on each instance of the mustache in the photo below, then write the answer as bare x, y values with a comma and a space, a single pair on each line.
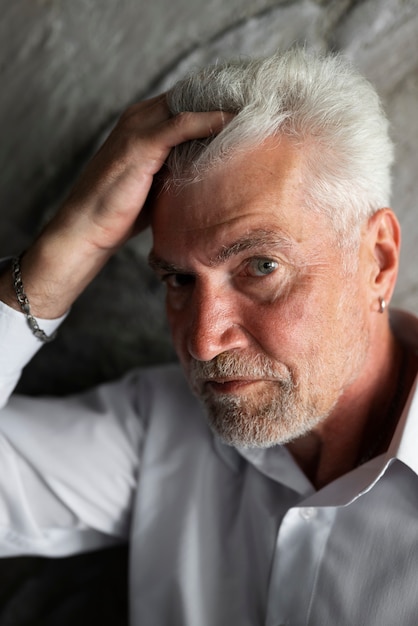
230, 365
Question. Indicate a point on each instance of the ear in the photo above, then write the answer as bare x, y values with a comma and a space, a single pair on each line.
384, 239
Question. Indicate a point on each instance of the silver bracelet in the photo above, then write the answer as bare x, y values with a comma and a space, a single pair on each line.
24, 303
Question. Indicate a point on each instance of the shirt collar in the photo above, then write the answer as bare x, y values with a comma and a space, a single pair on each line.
403, 444
276, 463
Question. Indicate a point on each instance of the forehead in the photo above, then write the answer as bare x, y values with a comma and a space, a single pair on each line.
261, 189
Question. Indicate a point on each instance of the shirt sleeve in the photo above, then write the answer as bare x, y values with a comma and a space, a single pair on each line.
17, 346
68, 469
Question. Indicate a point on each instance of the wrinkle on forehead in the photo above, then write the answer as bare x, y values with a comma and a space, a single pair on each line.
257, 200
259, 240
273, 168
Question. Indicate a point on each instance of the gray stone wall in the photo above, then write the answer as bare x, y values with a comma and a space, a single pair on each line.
68, 68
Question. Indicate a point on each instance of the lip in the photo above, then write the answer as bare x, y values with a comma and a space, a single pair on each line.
231, 385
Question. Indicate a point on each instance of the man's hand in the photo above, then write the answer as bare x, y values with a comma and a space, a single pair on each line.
103, 209
115, 185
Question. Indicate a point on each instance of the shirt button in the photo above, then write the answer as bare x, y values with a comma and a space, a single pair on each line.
308, 512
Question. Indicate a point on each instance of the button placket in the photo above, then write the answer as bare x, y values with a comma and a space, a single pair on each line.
299, 549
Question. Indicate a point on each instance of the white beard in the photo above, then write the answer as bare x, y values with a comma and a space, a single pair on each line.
269, 413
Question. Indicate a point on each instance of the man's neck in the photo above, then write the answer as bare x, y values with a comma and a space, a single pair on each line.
362, 423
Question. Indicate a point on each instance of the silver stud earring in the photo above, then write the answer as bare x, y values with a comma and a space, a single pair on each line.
382, 305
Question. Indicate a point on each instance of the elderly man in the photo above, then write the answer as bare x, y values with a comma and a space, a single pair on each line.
266, 184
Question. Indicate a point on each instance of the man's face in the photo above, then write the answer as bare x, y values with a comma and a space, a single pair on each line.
269, 329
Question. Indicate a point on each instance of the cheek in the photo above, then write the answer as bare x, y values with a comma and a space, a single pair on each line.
301, 325
280, 329
279, 336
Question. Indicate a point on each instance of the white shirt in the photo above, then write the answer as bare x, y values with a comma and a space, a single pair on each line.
218, 536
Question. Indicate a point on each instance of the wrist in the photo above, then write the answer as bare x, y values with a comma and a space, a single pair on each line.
55, 271
24, 303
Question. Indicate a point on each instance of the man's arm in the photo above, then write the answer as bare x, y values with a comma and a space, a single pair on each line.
68, 466
68, 469
104, 208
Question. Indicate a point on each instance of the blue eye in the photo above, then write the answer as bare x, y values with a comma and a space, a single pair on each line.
262, 267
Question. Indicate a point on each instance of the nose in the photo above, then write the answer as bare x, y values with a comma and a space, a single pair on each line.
216, 324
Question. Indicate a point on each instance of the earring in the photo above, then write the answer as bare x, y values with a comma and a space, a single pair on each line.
382, 305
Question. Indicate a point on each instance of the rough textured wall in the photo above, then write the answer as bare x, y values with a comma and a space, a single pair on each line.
68, 68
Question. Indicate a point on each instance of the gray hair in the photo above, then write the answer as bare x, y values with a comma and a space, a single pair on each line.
321, 103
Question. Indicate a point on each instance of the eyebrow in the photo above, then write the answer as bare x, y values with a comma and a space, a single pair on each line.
257, 239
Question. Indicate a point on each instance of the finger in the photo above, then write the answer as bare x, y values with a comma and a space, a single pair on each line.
187, 126
153, 110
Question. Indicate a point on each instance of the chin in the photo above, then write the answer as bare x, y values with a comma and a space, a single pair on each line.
239, 424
